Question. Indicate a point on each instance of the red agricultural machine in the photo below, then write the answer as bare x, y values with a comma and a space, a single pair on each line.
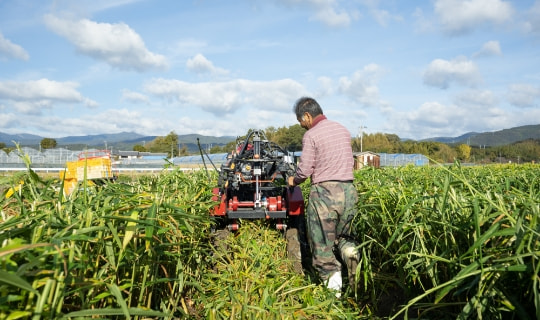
252, 185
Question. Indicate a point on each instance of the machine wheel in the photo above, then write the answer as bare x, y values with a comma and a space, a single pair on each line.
220, 245
297, 245
294, 251
219, 238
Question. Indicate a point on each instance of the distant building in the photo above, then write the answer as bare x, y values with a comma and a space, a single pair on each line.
138, 155
129, 155
377, 160
139, 158
366, 158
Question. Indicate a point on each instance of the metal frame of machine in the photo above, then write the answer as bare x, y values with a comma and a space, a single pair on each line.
252, 184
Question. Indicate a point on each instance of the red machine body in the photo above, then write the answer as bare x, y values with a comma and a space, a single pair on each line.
252, 184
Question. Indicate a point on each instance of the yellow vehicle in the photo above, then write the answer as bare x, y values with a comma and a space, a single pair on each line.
94, 166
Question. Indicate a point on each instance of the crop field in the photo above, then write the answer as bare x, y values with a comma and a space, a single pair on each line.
436, 242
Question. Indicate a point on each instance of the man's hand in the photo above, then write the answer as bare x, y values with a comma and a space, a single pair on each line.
290, 181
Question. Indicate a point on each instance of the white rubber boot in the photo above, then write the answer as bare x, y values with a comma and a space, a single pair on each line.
335, 283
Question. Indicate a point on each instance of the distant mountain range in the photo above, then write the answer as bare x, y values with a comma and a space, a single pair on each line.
495, 138
120, 141
126, 140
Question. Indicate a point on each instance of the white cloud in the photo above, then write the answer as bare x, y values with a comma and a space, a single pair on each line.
101, 5
433, 119
116, 44
199, 64
490, 48
9, 120
90, 103
524, 95
39, 89
421, 22
532, 23
325, 86
136, 97
462, 16
361, 86
329, 16
476, 99
124, 120
228, 96
476, 111
326, 11
435, 114
441, 73
32, 96
188, 46
31, 107
10, 50
383, 17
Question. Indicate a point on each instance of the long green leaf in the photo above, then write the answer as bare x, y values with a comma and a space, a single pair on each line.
16, 281
114, 312
119, 299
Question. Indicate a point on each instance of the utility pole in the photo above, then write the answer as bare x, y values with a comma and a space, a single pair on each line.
361, 134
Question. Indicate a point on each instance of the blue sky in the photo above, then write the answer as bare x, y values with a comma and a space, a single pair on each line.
417, 69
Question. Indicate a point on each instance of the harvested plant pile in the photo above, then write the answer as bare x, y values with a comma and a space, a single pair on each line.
251, 278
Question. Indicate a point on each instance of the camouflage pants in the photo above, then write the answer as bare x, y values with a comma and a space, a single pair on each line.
331, 208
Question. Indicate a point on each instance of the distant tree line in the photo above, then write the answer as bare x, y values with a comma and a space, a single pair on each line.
290, 138
46, 143
519, 152
167, 144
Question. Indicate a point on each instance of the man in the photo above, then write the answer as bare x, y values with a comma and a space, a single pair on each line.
327, 158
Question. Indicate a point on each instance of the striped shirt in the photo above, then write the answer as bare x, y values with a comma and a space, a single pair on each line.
326, 153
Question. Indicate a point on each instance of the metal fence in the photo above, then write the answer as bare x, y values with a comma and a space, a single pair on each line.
59, 156
215, 158
402, 159
50, 156
55, 159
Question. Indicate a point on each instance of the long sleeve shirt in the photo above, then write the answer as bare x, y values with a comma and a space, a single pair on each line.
326, 153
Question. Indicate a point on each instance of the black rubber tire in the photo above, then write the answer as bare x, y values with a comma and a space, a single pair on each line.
297, 243
219, 241
294, 249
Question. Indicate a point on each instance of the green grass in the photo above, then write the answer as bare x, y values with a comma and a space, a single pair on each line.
436, 243
451, 242
130, 249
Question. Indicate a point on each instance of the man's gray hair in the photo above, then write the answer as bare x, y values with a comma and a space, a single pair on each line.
309, 105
